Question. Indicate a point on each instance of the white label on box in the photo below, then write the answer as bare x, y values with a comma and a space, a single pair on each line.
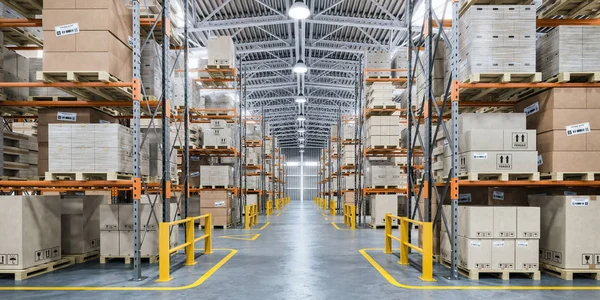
220, 203
195, 174
569, 193
130, 41
496, 195
578, 129
464, 198
580, 202
499, 244
195, 158
540, 160
532, 109
480, 155
476, 244
67, 29
104, 122
66, 116
522, 243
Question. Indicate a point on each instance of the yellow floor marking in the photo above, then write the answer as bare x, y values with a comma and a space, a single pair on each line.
196, 283
243, 237
393, 281
337, 227
265, 226
278, 214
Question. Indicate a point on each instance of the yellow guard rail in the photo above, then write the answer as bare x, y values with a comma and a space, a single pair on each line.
269, 207
164, 252
350, 215
427, 243
251, 215
333, 207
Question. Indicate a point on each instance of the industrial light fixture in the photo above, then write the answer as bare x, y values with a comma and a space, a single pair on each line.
301, 117
300, 98
301, 145
301, 130
301, 139
299, 10
301, 151
300, 67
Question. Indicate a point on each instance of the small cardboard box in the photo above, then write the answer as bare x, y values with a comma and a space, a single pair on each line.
474, 254
527, 254
503, 254
505, 222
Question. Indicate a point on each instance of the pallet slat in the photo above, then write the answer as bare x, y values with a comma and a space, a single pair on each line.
502, 274
568, 274
40, 269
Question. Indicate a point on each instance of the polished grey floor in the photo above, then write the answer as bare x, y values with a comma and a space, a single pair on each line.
299, 255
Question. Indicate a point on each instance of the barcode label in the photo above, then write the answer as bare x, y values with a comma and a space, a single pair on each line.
496, 195
540, 160
532, 109
580, 202
104, 122
195, 174
578, 129
220, 203
462, 198
480, 155
499, 244
67, 29
66, 116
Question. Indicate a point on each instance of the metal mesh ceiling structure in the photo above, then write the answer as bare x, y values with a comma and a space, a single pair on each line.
332, 41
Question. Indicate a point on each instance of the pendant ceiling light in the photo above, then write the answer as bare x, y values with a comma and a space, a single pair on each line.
300, 67
299, 10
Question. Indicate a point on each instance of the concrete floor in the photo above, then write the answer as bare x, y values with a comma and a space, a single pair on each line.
299, 255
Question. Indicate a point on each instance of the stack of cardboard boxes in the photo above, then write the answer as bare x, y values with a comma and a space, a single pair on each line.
567, 122
93, 148
382, 205
568, 49
30, 231
216, 176
219, 135
16, 69
219, 205
495, 238
383, 131
379, 60
221, 52
19, 155
80, 223
88, 35
490, 144
116, 227
381, 95
490, 44
569, 236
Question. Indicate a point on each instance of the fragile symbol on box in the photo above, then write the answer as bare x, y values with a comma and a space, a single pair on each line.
557, 257
12, 259
504, 161
519, 140
2, 259
587, 259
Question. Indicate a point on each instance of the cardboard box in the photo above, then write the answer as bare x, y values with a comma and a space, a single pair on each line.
382, 205
474, 254
102, 15
30, 231
569, 231
220, 216
86, 61
80, 224
481, 140
558, 119
109, 243
570, 161
349, 197
476, 221
149, 246
213, 199
472, 121
498, 161
445, 246
559, 98
527, 254
557, 140
503, 254
528, 223
505, 222
109, 217
519, 140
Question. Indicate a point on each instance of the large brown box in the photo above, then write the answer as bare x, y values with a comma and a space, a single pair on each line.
569, 231
80, 224
220, 216
349, 197
560, 98
214, 199
29, 231
558, 119
570, 161
557, 140
109, 15
476, 221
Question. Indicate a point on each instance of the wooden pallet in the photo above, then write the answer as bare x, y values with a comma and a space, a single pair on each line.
40, 269
468, 3
504, 77
502, 176
384, 147
568, 274
216, 147
385, 187
562, 176
52, 98
80, 176
569, 9
499, 94
85, 257
128, 259
215, 186
218, 226
113, 93
502, 274
575, 77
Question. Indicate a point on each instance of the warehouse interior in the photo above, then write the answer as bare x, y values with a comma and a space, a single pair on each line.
300, 149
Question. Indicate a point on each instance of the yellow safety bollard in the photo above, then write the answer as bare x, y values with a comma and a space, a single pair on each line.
332, 207
404, 242
388, 234
189, 239
164, 263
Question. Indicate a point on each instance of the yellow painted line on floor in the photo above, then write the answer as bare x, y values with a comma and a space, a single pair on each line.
243, 237
196, 283
394, 282
337, 227
279, 213
265, 226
